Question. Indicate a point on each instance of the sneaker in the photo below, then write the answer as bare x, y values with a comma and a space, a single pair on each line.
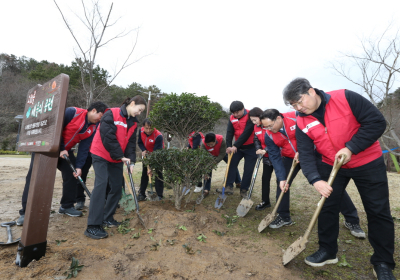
198, 189
141, 197
262, 206
70, 212
355, 230
238, 185
79, 205
383, 272
20, 220
243, 193
321, 258
110, 224
96, 232
280, 222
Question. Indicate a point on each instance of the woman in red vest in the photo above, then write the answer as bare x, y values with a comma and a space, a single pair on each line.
113, 145
261, 149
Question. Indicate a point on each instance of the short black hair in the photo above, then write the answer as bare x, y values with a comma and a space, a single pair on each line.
147, 121
210, 137
293, 91
99, 106
255, 112
236, 106
271, 114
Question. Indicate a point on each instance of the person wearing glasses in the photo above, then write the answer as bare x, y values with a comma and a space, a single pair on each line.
282, 145
335, 123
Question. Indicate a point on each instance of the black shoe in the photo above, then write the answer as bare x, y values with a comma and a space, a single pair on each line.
280, 222
110, 224
96, 232
70, 212
321, 258
262, 206
383, 272
79, 205
160, 197
228, 190
238, 185
141, 197
243, 193
355, 230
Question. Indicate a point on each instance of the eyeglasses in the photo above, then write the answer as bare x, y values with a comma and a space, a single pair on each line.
298, 103
270, 126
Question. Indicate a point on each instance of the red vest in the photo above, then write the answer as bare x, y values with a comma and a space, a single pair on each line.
191, 138
150, 140
214, 150
239, 125
123, 135
260, 133
71, 135
287, 144
341, 125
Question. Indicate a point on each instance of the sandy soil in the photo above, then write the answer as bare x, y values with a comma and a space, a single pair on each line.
122, 257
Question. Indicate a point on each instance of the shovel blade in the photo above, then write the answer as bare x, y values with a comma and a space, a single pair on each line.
185, 190
200, 199
220, 201
266, 221
141, 220
152, 196
293, 250
244, 207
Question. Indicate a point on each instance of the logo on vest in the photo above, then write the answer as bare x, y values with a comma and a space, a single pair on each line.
258, 132
210, 150
293, 127
151, 140
235, 120
89, 131
310, 125
120, 123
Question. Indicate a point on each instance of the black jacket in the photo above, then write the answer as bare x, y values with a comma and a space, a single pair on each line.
373, 124
108, 136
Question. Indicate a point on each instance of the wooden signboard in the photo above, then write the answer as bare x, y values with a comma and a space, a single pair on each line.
41, 133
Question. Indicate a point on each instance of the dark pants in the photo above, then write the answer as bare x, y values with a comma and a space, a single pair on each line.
347, 207
69, 183
250, 159
80, 192
238, 180
372, 184
145, 180
265, 182
106, 172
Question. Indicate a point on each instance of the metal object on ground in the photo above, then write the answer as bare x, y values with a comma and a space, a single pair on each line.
300, 244
185, 190
272, 216
151, 194
246, 203
201, 197
10, 240
222, 197
133, 191
79, 177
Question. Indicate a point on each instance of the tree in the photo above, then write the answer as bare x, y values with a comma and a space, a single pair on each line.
180, 115
378, 66
96, 24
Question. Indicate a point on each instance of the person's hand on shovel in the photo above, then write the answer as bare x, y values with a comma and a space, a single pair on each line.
232, 149
63, 153
128, 161
78, 173
346, 152
296, 157
323, 188
282, 186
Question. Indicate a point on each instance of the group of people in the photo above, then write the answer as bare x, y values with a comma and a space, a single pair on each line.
322, 127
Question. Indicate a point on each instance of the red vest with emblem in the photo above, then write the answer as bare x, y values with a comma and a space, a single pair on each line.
191, 138
239, 125
287, 144
150, 140
214, 150
71, 135
260, 133
341, 125
123, 135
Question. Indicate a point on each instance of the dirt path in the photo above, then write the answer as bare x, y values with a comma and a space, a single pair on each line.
166, 253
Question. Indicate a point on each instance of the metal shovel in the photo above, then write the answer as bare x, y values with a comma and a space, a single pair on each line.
201, 197
8, 225
133, 191
79, 177
222, 197
272, 216
246, 203
300, 244
152, 194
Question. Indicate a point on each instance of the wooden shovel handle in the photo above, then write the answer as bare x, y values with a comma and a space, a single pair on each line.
227, 168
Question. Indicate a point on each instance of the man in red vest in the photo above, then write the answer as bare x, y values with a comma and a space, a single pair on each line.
150, 140
215, 144
335, 123
282, 146
241, 127
79, 127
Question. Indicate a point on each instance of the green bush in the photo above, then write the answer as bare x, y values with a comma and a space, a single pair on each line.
3, 152
5, 144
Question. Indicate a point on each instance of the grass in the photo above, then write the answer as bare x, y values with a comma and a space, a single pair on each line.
15, 156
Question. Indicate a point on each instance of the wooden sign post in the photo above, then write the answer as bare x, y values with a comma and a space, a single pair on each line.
41, 133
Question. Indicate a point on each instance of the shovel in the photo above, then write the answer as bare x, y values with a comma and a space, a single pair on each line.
300, 244
201, 197
222, 197
133, 191
272, 216
79, 177
8, 225
152, 195
246, 203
